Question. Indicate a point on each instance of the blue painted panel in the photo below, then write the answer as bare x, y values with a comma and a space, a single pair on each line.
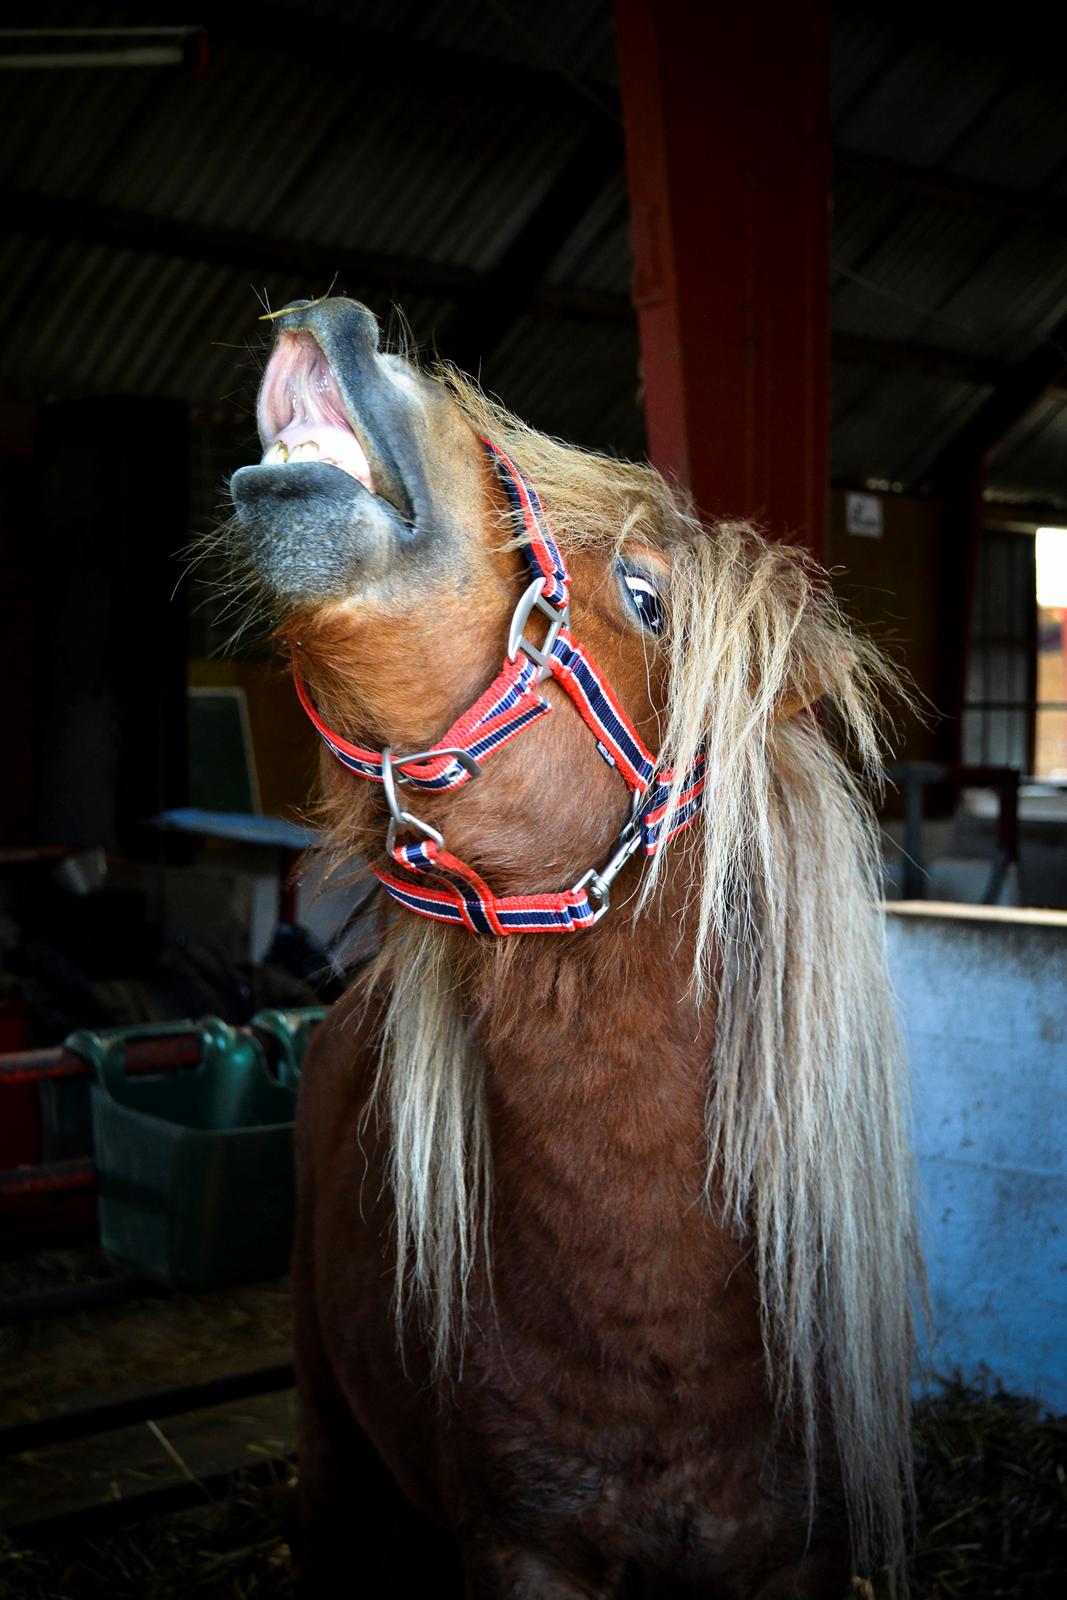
983, 1001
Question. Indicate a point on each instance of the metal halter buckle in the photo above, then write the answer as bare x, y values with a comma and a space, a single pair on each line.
598, 880
399, 818
558, 617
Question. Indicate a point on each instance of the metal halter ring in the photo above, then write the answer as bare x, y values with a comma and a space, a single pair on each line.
558, 617
598, 881
399, 818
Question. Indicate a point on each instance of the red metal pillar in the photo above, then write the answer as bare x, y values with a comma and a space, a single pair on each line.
728, 158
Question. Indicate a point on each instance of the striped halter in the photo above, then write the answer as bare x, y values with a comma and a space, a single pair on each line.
454, 892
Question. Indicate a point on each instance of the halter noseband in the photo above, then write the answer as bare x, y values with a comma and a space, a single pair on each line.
510, 704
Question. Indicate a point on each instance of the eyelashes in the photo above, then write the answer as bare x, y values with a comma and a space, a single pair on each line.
643, 597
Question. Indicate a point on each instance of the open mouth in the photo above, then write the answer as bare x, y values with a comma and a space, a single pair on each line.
303, 417
339, 499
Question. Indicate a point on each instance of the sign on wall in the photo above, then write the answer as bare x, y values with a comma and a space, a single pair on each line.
863, 515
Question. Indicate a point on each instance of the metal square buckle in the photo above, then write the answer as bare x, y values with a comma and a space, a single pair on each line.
558, 617
398, 817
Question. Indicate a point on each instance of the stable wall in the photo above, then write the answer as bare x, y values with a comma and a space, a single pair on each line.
898, 587
983, 998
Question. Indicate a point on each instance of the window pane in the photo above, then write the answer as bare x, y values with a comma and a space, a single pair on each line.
1050, 747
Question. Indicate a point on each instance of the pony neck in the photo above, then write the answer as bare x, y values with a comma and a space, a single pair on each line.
596, 1082
601, 1016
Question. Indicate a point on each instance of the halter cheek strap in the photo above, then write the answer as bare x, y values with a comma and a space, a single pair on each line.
438, 884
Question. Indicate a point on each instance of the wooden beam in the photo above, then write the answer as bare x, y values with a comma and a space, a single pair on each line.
1022, 516
728, 159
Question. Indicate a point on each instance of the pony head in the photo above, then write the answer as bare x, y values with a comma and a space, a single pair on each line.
382, 522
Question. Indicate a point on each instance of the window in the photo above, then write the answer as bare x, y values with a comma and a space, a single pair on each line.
1050, 730
1015, 701
998, 720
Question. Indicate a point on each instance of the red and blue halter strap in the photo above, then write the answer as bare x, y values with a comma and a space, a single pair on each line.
511, 703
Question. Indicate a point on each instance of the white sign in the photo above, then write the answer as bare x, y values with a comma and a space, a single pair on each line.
863, 515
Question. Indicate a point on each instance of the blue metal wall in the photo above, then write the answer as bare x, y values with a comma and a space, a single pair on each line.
983, 997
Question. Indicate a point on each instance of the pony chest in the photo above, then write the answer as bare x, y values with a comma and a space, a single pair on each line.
654, 1481
604, 1239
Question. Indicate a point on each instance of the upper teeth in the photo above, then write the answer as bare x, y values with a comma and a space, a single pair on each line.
277, 452
302, 451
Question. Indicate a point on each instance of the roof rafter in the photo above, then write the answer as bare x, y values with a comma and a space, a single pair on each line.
66, 220
961, 366
55, 217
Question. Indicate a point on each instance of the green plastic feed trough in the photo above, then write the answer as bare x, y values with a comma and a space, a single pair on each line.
195, 1165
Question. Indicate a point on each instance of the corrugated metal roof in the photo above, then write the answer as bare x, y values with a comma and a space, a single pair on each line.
596, 404
895, 426
922, 101
362, 147
1032, 462
597, 255
1019, 143
913, 267
896, 283
567, 37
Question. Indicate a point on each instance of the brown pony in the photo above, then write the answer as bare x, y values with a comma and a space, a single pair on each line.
605, 1250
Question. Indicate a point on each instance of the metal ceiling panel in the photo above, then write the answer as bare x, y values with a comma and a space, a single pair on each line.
922, 104
899, 426
1032, 461
597, 255
1021, 140
344, 148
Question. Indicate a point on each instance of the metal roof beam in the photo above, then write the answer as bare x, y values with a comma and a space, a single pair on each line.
963, 194
55, 217
960, 366
76, 221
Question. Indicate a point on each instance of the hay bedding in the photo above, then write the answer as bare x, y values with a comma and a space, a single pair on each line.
992, 1484
232, 1551
993, 1524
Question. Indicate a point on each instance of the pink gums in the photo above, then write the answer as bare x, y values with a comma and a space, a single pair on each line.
299, 403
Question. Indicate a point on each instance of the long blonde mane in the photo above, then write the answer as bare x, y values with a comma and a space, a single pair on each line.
806, 1114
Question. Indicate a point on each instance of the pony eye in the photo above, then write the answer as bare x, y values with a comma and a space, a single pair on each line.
643, 596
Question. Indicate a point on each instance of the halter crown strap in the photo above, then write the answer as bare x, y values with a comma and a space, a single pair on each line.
510, 704
541, 549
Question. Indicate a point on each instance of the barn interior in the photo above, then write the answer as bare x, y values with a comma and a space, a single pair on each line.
812, 262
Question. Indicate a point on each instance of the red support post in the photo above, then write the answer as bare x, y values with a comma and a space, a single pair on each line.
728, 159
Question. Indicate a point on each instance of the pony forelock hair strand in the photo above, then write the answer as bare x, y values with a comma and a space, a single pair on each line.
806, 1112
